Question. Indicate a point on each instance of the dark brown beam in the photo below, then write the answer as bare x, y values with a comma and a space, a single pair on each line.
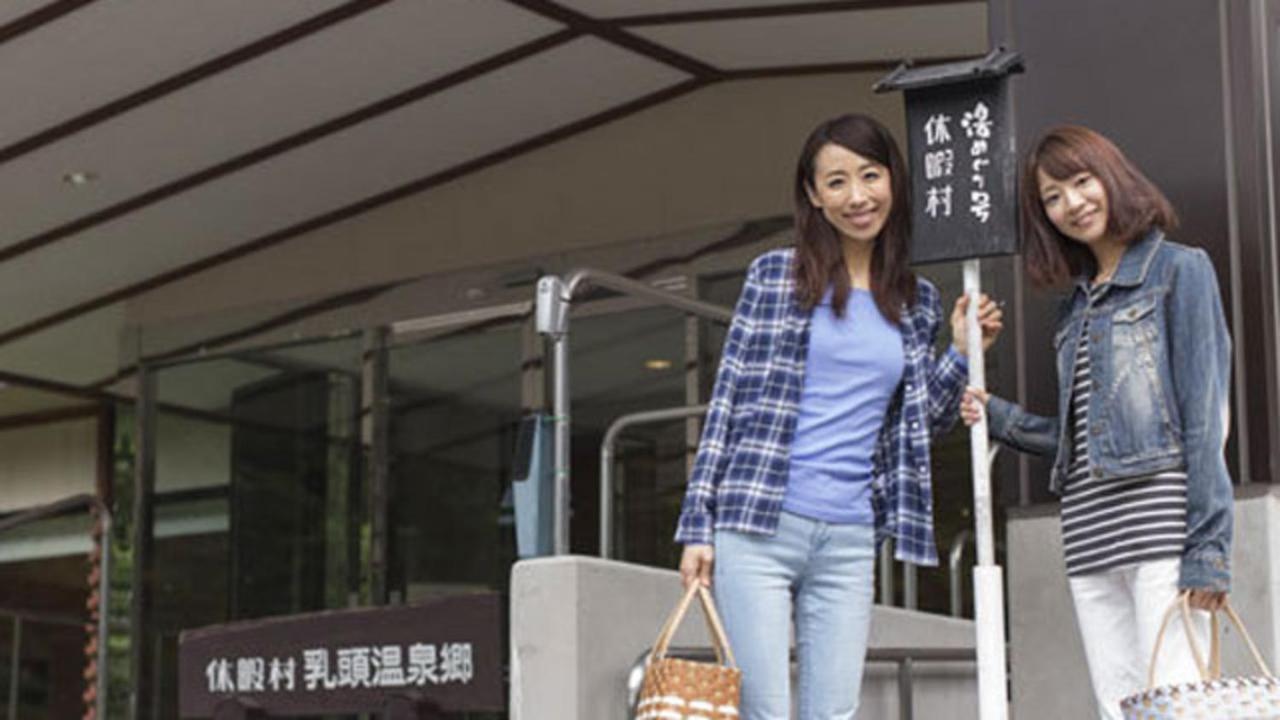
53, 386
39, 18
768, 11
349, 211
189, 77
613, 34
50, 416
830, 68
279, 147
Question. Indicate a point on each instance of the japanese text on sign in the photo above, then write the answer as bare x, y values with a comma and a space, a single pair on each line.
940, 160
386, 666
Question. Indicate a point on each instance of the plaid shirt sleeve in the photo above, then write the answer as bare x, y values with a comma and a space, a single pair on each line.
947, 373
696, 523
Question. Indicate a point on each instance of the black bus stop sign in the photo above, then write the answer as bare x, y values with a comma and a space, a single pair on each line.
962, 153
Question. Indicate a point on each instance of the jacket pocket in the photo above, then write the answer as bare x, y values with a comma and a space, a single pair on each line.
1139, 426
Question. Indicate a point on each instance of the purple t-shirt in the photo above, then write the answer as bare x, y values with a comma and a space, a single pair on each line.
853, 368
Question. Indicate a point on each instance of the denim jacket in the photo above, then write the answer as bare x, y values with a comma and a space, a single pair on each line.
1161, 370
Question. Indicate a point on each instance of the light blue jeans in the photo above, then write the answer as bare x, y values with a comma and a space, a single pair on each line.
820, 573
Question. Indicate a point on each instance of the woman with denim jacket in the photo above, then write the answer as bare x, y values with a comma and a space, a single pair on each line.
1143, 361
816, 442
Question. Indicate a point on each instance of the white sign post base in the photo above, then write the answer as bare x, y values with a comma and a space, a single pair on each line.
988, 579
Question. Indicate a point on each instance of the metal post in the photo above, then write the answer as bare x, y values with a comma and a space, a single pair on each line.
886, 573
607, 457
551, 317
910, 589
988, 579
104, 610
560, 406
374, 435
957, 579
906, 705
142, 541
14, 675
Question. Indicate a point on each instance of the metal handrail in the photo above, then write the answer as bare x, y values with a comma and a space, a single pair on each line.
63, 507
554, 297
956, 555
904, 657
957, 580
607, 460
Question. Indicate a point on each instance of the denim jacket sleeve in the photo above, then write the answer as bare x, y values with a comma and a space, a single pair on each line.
948, 373
696, 523
1012, 425
1200, 363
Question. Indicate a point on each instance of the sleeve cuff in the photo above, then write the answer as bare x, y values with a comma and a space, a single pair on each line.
1207, 571
1000, 416
694, 529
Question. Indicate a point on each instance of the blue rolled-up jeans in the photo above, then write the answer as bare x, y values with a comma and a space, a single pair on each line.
822, 574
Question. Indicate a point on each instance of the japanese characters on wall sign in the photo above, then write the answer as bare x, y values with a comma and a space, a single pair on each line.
448, 651
386, 666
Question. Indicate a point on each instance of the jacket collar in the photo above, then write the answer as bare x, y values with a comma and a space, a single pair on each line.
1134, 264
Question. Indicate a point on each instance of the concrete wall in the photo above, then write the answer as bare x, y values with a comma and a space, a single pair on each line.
1048, 671
578, 624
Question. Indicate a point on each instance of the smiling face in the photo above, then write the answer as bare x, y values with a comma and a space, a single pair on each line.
1077, 205
854, 193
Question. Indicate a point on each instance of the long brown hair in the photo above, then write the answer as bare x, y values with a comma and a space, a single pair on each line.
819, 252
1135, 204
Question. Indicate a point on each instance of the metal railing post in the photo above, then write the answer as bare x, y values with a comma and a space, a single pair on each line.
906, 706
607, 460
886, 573
553, 299
15, 659
957, 579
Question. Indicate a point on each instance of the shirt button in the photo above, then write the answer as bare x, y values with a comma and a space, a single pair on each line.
914, 424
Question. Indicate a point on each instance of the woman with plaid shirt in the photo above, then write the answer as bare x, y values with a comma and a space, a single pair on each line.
816, 443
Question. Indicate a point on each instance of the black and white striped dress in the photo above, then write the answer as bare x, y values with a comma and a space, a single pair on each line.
1108, 523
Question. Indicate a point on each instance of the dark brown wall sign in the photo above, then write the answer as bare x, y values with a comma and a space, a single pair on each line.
448, 652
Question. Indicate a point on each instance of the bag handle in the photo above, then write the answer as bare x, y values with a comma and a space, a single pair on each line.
719, 639
1211, 670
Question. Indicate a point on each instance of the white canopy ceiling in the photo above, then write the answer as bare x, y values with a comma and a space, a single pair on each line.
211, 130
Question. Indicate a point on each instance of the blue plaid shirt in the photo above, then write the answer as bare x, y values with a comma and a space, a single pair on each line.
740, 474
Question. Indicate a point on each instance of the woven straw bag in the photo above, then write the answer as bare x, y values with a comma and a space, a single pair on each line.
676, 689
1214, 697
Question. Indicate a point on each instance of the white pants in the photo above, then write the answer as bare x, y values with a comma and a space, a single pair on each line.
1119, 612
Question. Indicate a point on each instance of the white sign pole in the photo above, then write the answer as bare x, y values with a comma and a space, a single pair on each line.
988, 578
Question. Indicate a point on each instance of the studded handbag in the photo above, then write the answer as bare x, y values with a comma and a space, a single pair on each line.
678, 689
1214, 697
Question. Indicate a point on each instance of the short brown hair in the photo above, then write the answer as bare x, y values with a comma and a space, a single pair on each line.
1135, 204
